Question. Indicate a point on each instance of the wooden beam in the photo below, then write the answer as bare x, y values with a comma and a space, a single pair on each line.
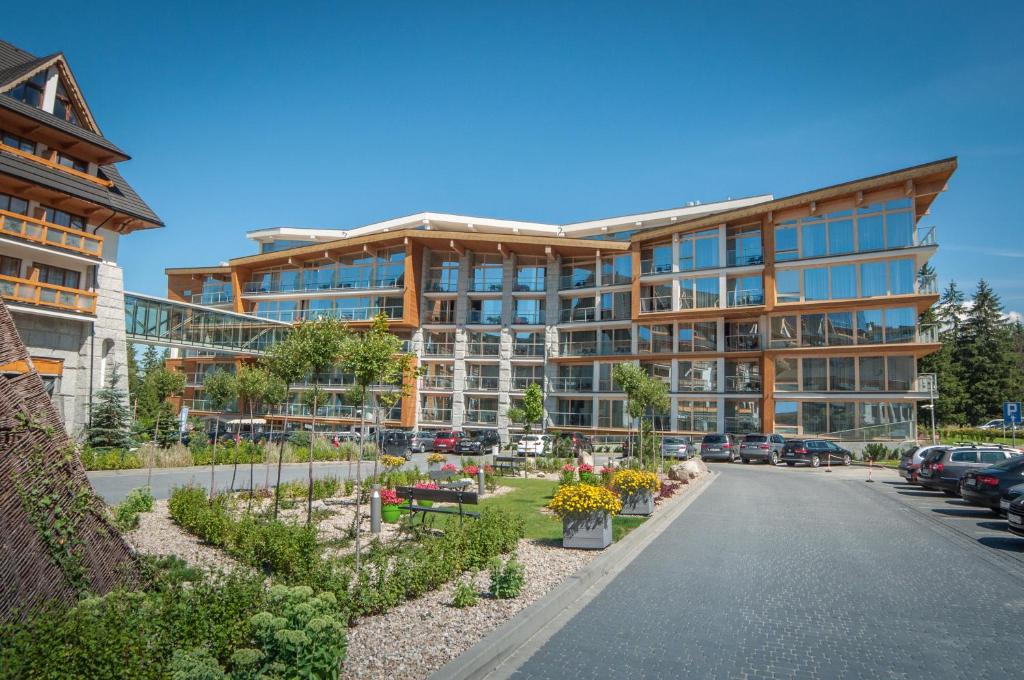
456, 247
908, 188
859, 198
930, 188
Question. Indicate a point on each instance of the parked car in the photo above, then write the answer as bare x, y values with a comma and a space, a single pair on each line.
994, 424
942, 469
421, 442
396, 443
985, 487
677, 447
447, 441
720, 447
533, 445
814, 452
478, 442
1015, 517
1009, 496
910, 461
764, 447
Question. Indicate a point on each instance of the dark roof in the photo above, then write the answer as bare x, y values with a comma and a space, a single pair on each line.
120, 197
15, 62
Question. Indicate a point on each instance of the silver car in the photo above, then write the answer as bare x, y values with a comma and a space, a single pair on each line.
677, 447
766, 448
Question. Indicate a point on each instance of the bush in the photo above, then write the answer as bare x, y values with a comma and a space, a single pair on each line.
876, 451
299, 438
507, 579
126, 514
465, 595
109, 459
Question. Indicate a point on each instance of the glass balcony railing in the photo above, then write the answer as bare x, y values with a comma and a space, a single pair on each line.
437, 382
529, 318
487, 349
482, 416
49, 234
355, 282
527, 350
736, 383
484, 318
443, 285
685, 384
486, 284
928, 333
571, 384
927, 285
734, 259
593, 348
521, 383
29, 292
482, 382
216, 297
742, 343
572, 419
579, 280
439, 349
347, 314
656, 303
745, 298
436, 415
578, 315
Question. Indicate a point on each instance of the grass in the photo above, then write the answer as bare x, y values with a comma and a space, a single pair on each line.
530, 495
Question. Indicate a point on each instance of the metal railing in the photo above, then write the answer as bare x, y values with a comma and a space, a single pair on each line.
441, 286
439, 349
47, 295
656, 303
485, 286
580, 280
742, 343
219, 297
481, 382
926, 239
47, 233
732, 259
348, 314
571, 384
527, 286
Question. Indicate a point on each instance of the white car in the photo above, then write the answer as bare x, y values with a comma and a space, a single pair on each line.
994, 424
533, 444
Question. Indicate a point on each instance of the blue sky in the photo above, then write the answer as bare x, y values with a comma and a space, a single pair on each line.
255, 114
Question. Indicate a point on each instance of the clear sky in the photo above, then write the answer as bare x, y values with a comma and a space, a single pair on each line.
241, 115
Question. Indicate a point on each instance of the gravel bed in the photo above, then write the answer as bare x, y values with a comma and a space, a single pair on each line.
157, 534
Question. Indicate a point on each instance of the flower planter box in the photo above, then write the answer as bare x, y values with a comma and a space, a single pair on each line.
434, 467
589, 532
641, 503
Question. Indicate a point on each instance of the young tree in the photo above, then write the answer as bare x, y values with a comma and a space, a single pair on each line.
651, 397
219, 387
322, 344
287, 362
375, 358
111, 420
532, 410
275, 395
252, 385
162, 383
630, 379
134, 379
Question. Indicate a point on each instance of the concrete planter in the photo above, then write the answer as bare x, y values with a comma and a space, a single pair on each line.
641, 503
434, 467
589, 532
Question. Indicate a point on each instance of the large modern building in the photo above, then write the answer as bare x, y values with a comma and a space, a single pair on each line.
797, 314
63, 207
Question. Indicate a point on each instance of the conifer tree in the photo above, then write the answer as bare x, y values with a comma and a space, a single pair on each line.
987, 363
111, 418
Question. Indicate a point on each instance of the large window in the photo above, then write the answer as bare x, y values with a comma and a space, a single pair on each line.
892, 420
698, 376
698, 336
64, 219
698, 293
486, 273
745, 291
834, 329
62, 106
654, 339
656, 259
443, 276
878, 226
31, 91
616, 270
439, 343
698, 250
840, 281
529, 311
486, 312
58, 276
527, 344
656, 297
697, 416
13, 204
484, 343
10, 266
578, 272
616, 306
577, 309
743, 245
20, 143
531, 275
440, 311
845, 374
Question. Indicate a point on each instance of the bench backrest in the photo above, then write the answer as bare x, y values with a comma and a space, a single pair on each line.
508, 459
438, 495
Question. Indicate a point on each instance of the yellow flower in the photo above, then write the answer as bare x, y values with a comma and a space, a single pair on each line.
629, 482
582, 499
392, 462
435, 458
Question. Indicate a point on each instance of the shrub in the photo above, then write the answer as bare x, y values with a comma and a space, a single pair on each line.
194, 664
876, 451
126, 514
109, 459
465, 595
507, 579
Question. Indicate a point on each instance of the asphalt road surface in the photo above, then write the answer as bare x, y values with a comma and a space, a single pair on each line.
798, 573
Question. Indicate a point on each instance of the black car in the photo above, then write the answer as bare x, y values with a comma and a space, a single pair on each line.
1009, 496
1015, 517
942, 469
397, 443
478, 442
814, 452
720, 447
985, 487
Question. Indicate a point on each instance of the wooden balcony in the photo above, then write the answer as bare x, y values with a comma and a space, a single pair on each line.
56, 166
49, 234
47, 295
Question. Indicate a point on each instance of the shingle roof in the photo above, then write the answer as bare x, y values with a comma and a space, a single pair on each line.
14, 62
120, 197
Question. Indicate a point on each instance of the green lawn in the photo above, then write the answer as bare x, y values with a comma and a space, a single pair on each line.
531, 495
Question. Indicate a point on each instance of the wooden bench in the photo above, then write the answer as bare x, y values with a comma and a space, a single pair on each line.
415, 496
510, 463
443, 479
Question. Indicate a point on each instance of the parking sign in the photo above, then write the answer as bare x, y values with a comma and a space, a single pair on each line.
1011, 413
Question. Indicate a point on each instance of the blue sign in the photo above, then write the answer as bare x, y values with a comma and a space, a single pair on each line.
1011, 412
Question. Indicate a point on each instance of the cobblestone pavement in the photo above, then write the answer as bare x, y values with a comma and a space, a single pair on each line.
797, 573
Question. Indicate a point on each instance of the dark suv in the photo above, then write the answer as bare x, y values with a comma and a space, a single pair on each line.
720, 447
478, 442
814, 452
942, 469
984, 487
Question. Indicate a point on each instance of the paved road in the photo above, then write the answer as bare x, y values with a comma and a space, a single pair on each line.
798, 573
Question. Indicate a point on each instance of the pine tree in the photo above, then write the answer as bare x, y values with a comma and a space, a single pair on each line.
985, 354
133, 373
151, 358
110, 417
950, 395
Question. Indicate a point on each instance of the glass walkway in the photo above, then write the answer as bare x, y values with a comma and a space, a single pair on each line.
154, 320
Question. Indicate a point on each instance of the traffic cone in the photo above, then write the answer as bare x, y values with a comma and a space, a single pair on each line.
871, 462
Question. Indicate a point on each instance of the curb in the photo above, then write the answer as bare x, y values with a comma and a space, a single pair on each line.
521, 635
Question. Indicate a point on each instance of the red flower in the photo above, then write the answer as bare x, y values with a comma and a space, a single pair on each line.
586, 467
389, 497
449, 467
470, 470
489, 469
425, 485
607, 470
568, 467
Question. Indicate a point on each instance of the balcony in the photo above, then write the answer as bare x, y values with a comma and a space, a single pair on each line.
734, 259
442, 285
439, 349
328, 411
436, 415
578, 315
485, 286
48, 234
217, 297
737, 383
578, 280
559, 419
925, 239
656, 303
484, 349
696, 385
529, 318
528, 350
571, 384
521, 383
359, 282
347, 314
751, 297
928, 333
594, 348
47, 295
484, 319
927, 285
487, 383
482, 417
742, 343
437, 382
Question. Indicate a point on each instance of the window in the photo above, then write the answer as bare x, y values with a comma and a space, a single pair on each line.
901, 373
698, 376
697, 416
815, 418
841, 415
815, 375
484, 343
991, 457
872, 279
743, 245
787, 285
58, 276
13, 204
662, 370
527, 344
443, 276
654, 339
869, 327
698, 293
10, 266
486, 273
529, 311
787, 416
71, 162
786, 245
963, 457
745, 291
578, 272
787, 374
842, 374
62, 218
62, 106
812, 330
783, 329
656, 297
440, 311
699, 336
901, 277
439, 343
900, 324
611, 413
30, 91
577, 309
616, 306
617, 270
844, 281
840, 328
742, 376
17, 142
816, 283
698, 250
840, 236
281, 310
812, 235
485, 311
872, 374
656, 260
531, 275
